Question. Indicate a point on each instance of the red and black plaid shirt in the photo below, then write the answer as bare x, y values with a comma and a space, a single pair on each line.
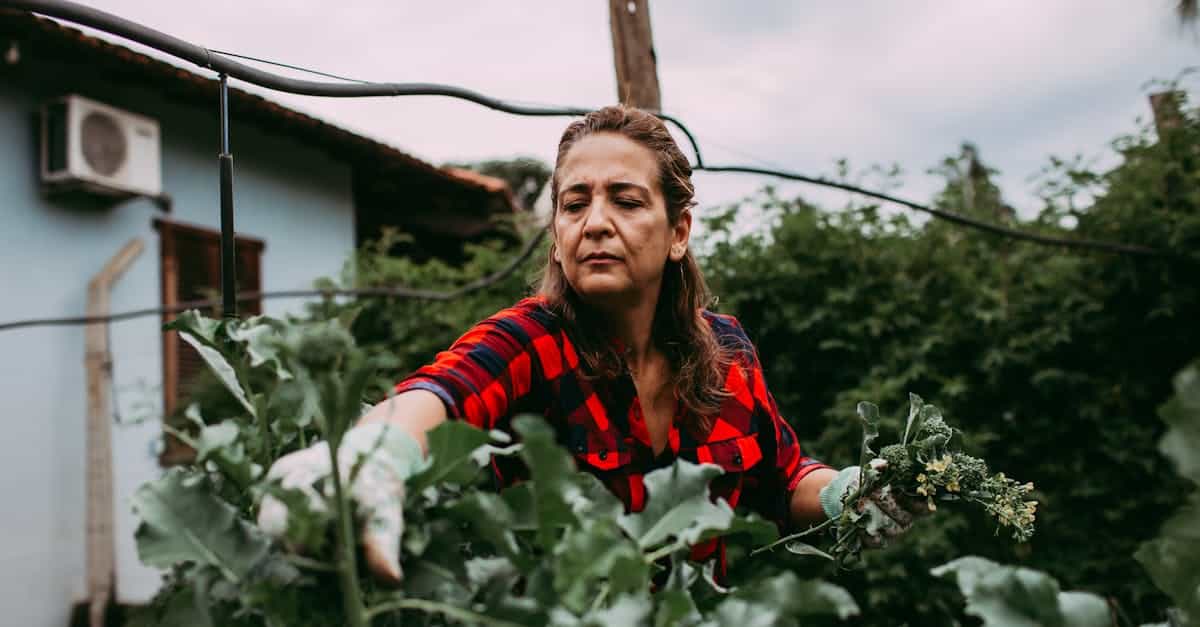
521, 360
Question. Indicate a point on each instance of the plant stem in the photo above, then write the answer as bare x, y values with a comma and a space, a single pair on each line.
311, 564
661, 553
794, 536
433, 607
264, 432
599, 600
346, 563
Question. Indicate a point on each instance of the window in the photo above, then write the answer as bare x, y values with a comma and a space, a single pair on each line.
191, 270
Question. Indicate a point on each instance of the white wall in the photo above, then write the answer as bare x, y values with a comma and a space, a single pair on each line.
294, 197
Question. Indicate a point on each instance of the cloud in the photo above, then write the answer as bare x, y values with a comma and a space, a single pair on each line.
793, 84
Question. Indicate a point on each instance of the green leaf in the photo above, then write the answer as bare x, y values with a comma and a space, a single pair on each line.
221, 444
193, 323
1020, 597
450, 446
800, 548
912, 425
1173, 558
262, 340
868, 415
492, 519
1181, 443
626, 610
752, 529
678, 507
676, 607
183, 522
799, 597
225, 373
591, 554
551, 469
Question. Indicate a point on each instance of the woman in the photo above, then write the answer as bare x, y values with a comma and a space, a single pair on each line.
616, 351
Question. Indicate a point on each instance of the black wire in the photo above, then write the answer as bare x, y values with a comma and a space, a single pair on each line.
377, 292
204, 58
290, 67
950, 216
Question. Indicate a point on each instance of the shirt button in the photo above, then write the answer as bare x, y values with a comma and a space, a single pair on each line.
737, 458
578, 448
603, 454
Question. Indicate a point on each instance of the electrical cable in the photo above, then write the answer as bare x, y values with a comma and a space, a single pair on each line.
205, 58
222, 64
375, 292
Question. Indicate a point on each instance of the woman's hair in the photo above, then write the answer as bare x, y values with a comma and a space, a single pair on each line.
699, 363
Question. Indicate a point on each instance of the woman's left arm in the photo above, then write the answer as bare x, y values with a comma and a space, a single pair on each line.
805, 504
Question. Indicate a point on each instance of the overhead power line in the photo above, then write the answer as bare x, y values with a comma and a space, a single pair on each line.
949, 216
221, 62
378, 292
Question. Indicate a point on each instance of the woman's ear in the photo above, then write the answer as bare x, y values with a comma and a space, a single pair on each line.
680, 235
554, 253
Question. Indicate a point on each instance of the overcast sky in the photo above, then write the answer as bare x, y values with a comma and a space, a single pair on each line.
794, 84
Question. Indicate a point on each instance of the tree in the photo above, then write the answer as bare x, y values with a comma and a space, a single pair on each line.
525, 175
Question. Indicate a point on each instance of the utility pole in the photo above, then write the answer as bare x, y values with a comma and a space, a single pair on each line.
633, 54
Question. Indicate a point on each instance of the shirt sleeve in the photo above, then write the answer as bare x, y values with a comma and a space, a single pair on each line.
490, 369
791, 463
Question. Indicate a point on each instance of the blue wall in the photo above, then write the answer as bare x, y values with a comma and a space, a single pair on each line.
296, 198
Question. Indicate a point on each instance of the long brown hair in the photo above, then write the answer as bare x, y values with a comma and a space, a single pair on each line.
698, 362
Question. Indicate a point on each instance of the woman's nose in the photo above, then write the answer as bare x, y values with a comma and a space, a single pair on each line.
598, 221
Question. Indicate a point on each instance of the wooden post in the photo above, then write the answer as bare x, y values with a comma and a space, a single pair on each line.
101, 566
633, 54
1166, 106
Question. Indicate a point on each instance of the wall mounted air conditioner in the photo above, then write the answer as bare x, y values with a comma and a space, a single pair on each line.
92, 146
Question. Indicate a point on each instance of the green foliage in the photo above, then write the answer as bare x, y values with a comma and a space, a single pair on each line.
922, 466
1052, 362
525, 175
555, 550
1173, 558
411, 332
1008, 596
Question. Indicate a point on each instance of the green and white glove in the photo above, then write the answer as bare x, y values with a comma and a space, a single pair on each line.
383, 457
886, 517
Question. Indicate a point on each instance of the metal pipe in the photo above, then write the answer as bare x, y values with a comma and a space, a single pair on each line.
228, 241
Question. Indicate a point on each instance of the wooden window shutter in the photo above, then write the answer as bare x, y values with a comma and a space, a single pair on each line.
191, 271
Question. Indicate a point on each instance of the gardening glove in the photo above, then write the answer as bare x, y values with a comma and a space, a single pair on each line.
374, 460
886, 516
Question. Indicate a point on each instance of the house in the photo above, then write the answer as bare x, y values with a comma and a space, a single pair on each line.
306, 193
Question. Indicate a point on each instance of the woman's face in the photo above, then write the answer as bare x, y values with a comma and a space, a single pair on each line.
611, 232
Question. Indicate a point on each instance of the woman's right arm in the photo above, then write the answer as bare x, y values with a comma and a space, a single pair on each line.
415, 412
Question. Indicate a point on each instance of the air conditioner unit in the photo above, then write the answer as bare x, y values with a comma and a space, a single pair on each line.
102, 149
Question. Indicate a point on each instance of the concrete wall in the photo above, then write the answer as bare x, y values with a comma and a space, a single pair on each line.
295, 198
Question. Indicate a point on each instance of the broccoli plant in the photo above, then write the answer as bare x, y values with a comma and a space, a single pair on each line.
555, 550
924, 465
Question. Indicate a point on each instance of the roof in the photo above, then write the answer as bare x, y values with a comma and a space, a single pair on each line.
371, 156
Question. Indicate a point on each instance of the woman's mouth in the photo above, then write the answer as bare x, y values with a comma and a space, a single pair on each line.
601, 258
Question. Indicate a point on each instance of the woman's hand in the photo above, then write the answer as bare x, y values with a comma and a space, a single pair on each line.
888, 515
374, 459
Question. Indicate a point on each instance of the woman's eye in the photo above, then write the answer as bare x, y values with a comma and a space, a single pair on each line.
628, 203
573, 206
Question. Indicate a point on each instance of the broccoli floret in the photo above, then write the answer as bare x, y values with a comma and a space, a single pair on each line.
320, 347
936, 426
971, 471
897, 459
